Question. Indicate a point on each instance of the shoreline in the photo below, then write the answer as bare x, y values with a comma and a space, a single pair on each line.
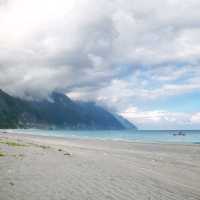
67, 137
46, 167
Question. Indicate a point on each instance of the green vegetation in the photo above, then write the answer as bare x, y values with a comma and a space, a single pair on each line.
60, 113
13, 144
2, 154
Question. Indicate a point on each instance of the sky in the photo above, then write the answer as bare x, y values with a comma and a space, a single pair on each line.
140, 59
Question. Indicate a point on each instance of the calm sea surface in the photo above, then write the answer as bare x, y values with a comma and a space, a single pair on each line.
191, 136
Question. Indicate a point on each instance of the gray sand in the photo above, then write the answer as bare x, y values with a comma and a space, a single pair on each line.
44, 168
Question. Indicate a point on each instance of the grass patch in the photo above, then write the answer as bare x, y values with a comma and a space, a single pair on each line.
2, 154
13, 144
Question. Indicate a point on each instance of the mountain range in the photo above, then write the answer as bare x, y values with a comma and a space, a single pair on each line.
57, 112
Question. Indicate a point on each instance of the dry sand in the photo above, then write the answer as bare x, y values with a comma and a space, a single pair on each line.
44, 168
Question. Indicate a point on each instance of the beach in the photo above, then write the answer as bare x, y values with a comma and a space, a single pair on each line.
44, 168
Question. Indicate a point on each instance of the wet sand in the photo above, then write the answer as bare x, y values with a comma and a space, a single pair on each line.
50, 168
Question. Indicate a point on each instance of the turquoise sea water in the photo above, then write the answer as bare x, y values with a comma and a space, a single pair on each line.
191, 136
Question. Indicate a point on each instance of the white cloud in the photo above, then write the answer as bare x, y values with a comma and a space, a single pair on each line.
162, 119
195, 118
96, 37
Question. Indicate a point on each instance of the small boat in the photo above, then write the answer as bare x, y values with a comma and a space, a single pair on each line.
180, 133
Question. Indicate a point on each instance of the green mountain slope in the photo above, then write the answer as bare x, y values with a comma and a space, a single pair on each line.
58, 112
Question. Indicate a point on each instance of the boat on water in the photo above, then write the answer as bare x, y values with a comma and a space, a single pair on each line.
180, 133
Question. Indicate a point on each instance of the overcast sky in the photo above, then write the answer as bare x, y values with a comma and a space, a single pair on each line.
138, 58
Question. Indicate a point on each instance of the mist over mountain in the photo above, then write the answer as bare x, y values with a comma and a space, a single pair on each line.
58, 111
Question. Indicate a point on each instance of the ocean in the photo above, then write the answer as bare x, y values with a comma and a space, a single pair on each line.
166, 136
